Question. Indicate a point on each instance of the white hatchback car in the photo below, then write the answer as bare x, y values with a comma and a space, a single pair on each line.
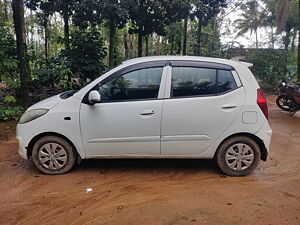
153, 107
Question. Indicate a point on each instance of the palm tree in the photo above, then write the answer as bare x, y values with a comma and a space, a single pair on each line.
281, 19
251, 19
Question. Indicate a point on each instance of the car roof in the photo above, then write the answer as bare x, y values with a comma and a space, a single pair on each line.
182, 58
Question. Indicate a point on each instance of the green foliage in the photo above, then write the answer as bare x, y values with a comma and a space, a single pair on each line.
152, 16
210, 39
86, 53
10, 112
52, 72
205, 10
9, 99
174, 33
269, 67
8, 109
8, 58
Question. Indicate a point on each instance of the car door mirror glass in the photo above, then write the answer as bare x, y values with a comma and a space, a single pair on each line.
94, 97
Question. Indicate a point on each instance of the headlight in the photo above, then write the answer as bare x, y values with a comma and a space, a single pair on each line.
32, 115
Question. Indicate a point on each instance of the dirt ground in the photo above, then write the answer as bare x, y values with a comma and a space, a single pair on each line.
156, 191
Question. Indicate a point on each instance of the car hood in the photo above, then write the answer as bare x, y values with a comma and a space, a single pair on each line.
47, 103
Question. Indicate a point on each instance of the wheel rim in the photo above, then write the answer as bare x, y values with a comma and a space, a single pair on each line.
239, 156
52, 156
282, 103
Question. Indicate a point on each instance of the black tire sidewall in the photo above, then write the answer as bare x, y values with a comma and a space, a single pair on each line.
220, 157
71, 156
280, 106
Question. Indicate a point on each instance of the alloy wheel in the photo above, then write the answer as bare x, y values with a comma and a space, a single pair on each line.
239, 156
52, 156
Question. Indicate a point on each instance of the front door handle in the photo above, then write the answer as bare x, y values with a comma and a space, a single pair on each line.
147, 112
229, 106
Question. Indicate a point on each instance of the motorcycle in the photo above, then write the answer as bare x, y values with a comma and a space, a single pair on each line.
288, 97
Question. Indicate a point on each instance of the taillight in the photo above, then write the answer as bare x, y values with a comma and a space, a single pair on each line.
262, 103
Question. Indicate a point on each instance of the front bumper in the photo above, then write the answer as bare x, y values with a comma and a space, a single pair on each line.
21, 142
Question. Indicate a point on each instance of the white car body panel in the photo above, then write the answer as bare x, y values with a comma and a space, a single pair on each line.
179, 128
119, 128
203, 118
53, 122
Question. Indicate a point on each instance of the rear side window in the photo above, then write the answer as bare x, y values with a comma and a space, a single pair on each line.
193, 81
226, 81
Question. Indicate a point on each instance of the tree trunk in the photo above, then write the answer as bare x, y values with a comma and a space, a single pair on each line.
294, 35
272, 38
140, 41
131, 45
19, 23
179, 47
199, 34
111, 50
172, 45
66, 27
286, 42
157, 46
298, 67
147, 45
6, 17
125, 45
184, 47
31, 29
46, 37
256, 39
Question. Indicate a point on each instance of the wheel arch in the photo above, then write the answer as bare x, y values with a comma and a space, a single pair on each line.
39, 136
262, 147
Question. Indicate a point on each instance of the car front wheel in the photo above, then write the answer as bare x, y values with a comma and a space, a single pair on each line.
238, 156
53, 155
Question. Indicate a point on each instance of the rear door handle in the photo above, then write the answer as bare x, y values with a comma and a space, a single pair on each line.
147, 112
229, 106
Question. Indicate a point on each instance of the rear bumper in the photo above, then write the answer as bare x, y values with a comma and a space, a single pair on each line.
265, 134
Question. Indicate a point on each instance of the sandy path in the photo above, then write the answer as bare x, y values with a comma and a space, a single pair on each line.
157, 191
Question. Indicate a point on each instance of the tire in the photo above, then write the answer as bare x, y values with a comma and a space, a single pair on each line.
279, 103
53, 155
238, 156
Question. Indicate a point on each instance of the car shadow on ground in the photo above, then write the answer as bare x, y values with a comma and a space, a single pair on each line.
158, 165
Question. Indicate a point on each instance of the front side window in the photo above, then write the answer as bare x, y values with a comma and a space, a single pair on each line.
135, 85
226, 81
193, 81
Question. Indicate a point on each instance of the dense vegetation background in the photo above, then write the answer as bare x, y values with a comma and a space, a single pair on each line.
47, 46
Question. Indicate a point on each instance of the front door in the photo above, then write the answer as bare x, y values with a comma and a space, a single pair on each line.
128, 120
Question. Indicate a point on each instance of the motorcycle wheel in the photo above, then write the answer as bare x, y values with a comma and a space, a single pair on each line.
283, 103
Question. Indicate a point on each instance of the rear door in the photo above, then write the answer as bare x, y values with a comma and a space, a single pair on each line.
204, 100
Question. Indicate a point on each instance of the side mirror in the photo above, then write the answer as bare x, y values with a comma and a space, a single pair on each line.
94, 97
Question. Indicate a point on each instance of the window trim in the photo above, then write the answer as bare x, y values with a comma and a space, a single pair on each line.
121, 72
201, 64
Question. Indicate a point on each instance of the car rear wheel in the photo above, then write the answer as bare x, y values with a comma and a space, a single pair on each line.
53, 155
238, 156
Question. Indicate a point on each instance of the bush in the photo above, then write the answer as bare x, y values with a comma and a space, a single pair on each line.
51, 73
8, 109
86, 53
8, 56
271, 66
